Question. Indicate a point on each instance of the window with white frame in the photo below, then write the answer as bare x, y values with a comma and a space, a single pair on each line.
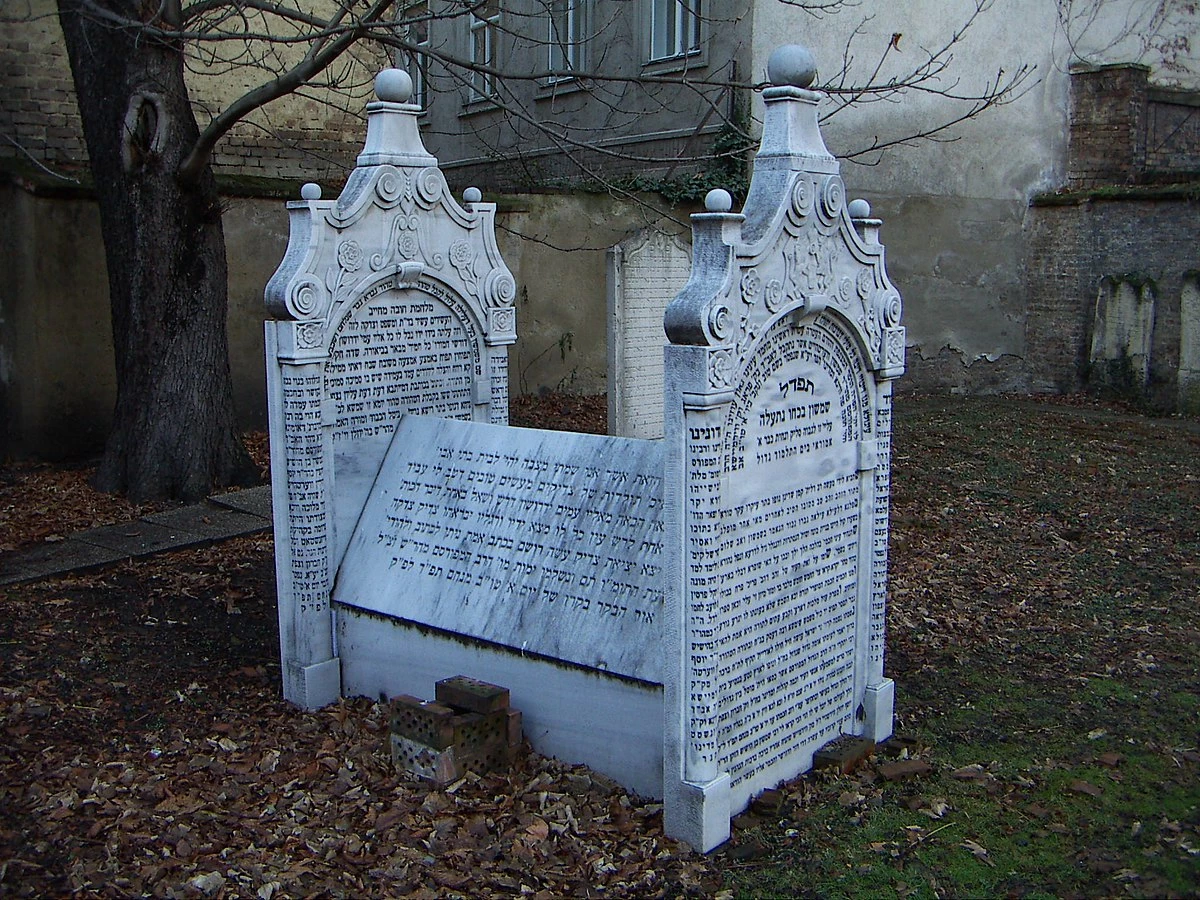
485, 33
674, 28
566, 37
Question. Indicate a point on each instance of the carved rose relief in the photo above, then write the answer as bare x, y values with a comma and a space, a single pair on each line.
463, 260
720, 369
406, 245
751, 285
350, 256
773, 295
308, 335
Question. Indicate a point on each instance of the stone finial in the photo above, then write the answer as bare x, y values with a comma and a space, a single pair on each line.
792, 65
859, 209
310, 191
393, 86
472, 195
718, 201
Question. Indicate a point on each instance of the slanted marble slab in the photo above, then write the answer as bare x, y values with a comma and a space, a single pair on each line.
550, 543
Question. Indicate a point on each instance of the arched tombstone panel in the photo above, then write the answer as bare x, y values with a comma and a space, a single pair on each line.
777, 418
794, 510
391, 299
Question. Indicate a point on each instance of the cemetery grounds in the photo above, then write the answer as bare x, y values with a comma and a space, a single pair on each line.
1043, 632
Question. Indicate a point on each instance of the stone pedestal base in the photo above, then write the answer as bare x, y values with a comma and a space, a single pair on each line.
702, 818
878, 701
311, 687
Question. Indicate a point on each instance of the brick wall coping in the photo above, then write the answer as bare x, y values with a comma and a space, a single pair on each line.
78, 183
1189, 190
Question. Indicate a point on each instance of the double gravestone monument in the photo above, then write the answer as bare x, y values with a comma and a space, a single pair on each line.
693, 616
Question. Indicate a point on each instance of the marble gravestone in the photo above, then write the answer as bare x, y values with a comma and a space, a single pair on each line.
645, 272
778, 377
693, 616
391, 299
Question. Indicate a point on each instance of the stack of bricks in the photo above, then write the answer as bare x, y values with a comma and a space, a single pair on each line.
469, 727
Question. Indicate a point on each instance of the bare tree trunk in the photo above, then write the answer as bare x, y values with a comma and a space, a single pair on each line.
173, 431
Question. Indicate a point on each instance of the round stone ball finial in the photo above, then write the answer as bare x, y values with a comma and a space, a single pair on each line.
859, 209
310, 191
393, 86
472, 195
718, 201
792, 65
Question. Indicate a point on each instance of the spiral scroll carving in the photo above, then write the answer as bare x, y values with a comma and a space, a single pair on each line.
720, 322
390, 186
499, 289
833, 198
892, 309
304, 298
431, 184
802, 197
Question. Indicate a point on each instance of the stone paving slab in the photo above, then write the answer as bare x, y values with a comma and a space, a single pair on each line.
213, 523
256, 501
137, 538
53, 559
229, 515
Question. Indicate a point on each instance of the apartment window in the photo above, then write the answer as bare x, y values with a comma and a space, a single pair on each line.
415, 22
485, 33
674, 28
565, 38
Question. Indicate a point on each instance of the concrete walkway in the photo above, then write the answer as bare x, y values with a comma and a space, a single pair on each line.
215, 519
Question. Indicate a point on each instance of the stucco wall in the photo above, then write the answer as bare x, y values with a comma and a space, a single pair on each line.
954, 212
56, 368
56, 360
57, 372
556, 246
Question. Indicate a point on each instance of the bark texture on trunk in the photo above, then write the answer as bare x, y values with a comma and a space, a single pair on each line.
173, 433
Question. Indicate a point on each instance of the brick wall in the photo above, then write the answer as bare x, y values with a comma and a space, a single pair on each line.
38, 115
1126, 131
1074, 245
296, 138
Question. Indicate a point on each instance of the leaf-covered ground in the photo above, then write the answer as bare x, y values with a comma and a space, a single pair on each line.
1044, 628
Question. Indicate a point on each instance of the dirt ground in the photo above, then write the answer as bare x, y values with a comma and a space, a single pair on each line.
1044, 572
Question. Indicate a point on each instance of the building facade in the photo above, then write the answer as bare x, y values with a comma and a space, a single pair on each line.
590, 120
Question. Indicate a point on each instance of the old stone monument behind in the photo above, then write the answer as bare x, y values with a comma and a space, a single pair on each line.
645, 272
693, 616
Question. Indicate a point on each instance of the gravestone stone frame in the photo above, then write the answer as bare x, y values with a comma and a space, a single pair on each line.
391, 299
784, 344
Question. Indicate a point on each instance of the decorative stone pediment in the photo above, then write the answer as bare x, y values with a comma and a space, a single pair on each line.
397, 223
798, 249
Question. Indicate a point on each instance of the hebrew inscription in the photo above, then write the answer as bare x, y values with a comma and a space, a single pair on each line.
546, 542
306, 488
787, 547
401, 350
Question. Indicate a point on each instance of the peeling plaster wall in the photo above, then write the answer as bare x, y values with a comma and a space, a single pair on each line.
954, 213
556, 246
